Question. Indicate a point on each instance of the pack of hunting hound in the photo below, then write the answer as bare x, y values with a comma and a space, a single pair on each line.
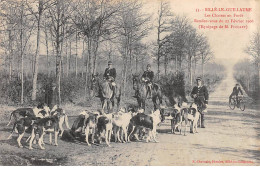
125, 125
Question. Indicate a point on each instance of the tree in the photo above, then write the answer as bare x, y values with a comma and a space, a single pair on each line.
92, 20
132, 25
59, 14
20, 25
205, 53
164, 24
193, 42
253, 49
42, 6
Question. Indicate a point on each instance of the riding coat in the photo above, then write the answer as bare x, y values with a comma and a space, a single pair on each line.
202, 94
148, 75
236, 91
110, 73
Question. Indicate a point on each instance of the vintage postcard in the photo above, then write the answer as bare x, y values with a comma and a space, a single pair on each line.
130, 82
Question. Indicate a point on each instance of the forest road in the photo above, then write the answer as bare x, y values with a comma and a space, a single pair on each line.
231, 137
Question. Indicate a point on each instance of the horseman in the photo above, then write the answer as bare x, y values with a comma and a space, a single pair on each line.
200, 95
110, 76
147, 77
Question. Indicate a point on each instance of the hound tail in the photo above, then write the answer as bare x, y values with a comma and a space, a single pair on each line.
12, 131
66, 119
10, 119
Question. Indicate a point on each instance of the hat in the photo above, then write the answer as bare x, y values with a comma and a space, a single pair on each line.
237, 84
198, 78
109, 62
148, 65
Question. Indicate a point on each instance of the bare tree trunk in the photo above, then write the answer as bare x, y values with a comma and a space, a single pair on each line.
67, 57
70, 58
194, 71
35, 72
136, 64
58, 70
165, 65
202, 68
76, 63
86, 75
180, 63
190, 70
258, 76
88, 66
10, 56
130, 57
176, 63
47, 51
125, 70
62, 61
21, 41
158, 55
83, 59
95, 56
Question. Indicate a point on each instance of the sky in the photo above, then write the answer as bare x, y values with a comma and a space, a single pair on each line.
227, 44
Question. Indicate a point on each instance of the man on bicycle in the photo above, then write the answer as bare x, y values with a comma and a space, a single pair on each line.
235, 92
200, 95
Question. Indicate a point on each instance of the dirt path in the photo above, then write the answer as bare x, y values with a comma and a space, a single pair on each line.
231, 137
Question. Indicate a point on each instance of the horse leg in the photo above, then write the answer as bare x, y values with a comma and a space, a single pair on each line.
143, 104
104, 102
113, 103
109, 106
139, 102
118, 102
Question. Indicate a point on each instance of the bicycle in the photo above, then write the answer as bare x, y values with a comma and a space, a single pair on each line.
239, 103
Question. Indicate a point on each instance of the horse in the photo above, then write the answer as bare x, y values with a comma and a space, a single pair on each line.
106, 94
141, 92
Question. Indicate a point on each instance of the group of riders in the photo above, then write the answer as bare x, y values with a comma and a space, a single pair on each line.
199, 92
147, 77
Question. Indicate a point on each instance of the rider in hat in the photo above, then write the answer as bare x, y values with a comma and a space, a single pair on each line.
235, 92
200, 95
147, 77
110, 75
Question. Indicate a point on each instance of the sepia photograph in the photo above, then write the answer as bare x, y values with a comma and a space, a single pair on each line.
129, 83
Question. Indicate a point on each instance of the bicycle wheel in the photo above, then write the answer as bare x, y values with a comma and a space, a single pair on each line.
232, 104
242, 106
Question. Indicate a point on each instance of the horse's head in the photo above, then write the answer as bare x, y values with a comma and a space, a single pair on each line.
136, 81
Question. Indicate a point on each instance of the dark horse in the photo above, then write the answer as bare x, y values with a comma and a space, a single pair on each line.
141, 92
105, 91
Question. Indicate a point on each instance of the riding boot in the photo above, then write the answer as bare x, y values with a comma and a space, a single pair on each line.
114, 91
202, 121
149, 93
